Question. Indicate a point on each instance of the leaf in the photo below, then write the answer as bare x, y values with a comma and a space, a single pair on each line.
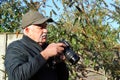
78, 9
55, 5
50, 13
76, 19
54, 12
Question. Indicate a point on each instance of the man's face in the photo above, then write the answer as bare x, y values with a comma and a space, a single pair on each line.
38, 33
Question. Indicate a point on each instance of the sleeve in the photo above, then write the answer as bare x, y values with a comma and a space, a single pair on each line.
62, 71
21, 67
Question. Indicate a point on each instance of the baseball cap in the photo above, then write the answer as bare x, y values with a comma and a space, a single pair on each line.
34, 17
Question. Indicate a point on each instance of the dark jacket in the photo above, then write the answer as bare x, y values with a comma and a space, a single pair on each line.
23, 61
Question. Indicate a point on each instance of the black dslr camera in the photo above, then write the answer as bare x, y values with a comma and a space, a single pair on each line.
70, 55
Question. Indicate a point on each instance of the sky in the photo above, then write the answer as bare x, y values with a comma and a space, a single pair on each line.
113, 24
59, 4
48, 9
56, 17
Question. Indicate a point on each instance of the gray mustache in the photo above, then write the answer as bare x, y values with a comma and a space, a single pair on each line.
44, 35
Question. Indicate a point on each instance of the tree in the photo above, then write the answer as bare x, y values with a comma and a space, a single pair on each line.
84, 25
86, 28
115, 13
11, 12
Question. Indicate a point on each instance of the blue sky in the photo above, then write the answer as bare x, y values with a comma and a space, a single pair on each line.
48, 9
113, 24
55, 17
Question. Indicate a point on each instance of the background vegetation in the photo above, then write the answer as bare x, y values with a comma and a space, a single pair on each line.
84, 24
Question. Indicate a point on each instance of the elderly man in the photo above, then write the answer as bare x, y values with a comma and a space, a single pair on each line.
30, 58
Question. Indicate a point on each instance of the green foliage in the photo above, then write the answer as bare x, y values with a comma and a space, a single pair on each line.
11, 12
84, 24
86, 28
116, 13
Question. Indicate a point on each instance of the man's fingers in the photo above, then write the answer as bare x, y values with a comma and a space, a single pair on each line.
61, 44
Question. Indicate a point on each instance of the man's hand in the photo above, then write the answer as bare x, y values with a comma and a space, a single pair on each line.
52, 50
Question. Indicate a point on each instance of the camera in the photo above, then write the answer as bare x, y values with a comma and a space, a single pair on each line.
70, 55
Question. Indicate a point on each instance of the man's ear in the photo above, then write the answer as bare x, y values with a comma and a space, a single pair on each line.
26, 29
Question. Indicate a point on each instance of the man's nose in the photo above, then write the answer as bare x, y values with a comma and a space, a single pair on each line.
45, 30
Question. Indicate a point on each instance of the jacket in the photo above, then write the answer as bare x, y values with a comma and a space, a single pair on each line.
23, 61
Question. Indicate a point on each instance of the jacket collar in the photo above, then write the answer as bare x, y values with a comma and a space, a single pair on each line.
31, 43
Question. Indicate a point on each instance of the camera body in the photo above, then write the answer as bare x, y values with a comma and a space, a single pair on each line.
70, 55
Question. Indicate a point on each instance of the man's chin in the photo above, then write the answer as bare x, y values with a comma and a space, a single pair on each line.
44, 40
42, 43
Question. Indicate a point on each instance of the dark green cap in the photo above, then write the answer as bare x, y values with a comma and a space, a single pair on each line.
34, 17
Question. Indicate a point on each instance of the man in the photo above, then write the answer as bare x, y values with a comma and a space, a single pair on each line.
30, 58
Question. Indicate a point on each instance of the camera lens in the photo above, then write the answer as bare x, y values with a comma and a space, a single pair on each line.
71, 56
74, 59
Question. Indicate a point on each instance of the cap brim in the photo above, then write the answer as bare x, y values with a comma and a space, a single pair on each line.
41, 21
